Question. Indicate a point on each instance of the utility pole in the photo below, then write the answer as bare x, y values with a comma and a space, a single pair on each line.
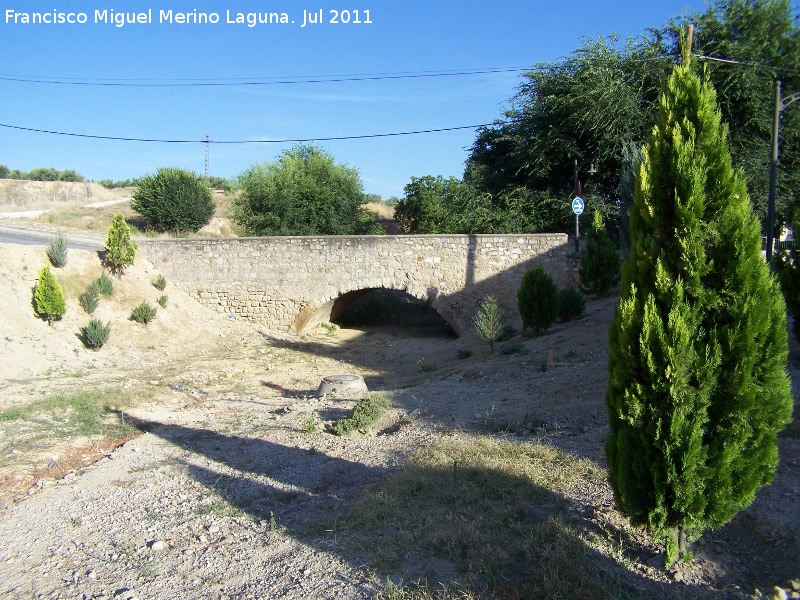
208, 143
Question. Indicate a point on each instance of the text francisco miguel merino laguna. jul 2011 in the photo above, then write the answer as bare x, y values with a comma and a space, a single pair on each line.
149, 16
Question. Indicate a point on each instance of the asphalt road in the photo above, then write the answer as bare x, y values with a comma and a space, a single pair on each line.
32, 237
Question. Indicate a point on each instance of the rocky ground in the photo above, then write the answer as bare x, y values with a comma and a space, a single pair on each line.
214, 501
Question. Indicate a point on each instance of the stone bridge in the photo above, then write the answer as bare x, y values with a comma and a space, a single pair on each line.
295, 283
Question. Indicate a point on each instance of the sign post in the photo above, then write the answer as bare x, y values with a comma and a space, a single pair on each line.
577, 208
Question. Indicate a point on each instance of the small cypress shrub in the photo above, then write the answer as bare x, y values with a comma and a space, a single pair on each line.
48, 297
160, 283
89, 299
162, 300
599, 269
120, 250
104, 285
95, 334
571, 304
537, 299
365, 413
144, 313
57, 250
489, 321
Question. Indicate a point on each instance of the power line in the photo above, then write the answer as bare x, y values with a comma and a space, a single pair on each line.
732, 61
228, 82
209, 141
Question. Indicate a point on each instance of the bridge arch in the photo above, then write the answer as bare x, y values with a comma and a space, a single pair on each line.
330, 307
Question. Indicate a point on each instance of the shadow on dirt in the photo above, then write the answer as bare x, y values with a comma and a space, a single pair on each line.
519, 540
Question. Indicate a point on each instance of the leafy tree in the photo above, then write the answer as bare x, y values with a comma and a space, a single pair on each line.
174, 199
602, 99
70, 175
48, 297
120, 250
43, 174
764, 36
489, 321
698, 388
4, 172
589, 106
599, 268
304, 193
537, 299
426, 205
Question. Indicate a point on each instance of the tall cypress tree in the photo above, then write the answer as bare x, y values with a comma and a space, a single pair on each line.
698, 388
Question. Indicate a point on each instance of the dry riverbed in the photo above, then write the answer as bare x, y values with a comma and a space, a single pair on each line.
231, 486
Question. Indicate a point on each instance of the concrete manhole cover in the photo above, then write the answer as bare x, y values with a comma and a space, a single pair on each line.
339, 384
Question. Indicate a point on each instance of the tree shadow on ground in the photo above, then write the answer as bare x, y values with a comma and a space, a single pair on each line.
459, 525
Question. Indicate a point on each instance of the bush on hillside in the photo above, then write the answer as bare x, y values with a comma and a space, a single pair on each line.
175, 200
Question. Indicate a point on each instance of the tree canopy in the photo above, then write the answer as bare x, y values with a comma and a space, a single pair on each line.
602, 100
304, 193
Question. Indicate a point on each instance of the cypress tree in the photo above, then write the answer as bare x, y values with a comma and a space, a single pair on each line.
698, 388
48, 297
120, 250
599, 268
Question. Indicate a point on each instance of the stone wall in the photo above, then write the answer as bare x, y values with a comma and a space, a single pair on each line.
292, 283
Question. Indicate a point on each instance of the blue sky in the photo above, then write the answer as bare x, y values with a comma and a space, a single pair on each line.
408, 36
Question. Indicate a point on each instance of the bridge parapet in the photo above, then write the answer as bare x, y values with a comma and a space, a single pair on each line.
292, 283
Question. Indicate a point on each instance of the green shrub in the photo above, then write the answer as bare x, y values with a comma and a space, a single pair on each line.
366, 412
506, 333
489, 321
160, 283
513, 348
57, 250
48, 298
95, 334
537, 299
104, 285
89, 299
144, 313
425, 365
120, 250
571, 304
162, 300
464, 353
177, 200
599, 268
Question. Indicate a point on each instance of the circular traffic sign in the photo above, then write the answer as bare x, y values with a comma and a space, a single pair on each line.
577, 205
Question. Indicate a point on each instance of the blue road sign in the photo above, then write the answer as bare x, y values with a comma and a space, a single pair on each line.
577, 205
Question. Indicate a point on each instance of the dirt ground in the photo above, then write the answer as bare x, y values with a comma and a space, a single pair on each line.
186, 510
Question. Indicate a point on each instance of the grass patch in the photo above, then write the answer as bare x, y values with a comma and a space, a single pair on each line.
84, 413
59, 426
489, 515
365, 413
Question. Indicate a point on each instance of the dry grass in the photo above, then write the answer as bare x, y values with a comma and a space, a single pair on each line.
67, 431
380, 210
481, 517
